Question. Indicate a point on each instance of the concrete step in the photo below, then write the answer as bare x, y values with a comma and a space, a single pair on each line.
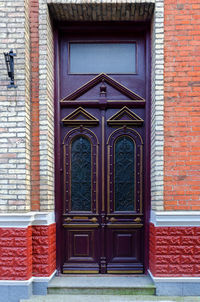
101, 285
108, 298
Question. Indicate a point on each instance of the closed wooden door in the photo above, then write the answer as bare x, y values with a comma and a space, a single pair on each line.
102, 141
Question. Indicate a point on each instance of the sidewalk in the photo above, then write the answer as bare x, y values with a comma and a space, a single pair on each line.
108, 298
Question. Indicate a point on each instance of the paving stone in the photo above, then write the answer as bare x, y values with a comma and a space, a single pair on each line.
108, 298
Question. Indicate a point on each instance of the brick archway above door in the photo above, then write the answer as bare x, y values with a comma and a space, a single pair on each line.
102, 11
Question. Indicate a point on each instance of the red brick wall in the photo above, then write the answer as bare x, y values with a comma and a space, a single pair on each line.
15, 253
174, 251
27, 252
182, 109
35, 156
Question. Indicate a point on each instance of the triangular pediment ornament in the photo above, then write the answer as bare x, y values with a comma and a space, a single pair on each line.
125, 117
104, 78
80, 117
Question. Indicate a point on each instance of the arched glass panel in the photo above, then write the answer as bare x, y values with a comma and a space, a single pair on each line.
124, 174
81, 174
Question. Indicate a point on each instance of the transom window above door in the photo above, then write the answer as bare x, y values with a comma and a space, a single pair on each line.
97, 57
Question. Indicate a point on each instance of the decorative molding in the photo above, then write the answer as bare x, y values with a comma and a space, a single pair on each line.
131, 118
44, 218
175, 218
16, 282
44, 279
98, 79
26, 282
73, 118
23, 220
173, 279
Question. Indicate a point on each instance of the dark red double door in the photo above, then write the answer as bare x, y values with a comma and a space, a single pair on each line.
102, 167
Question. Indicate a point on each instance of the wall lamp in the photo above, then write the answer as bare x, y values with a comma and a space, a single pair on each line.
9, 59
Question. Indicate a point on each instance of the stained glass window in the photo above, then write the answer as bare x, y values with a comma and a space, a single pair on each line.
124, 174
81, 174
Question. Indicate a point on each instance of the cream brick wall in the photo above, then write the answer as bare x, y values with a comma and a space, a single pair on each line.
46, 96
14, 109
157, 107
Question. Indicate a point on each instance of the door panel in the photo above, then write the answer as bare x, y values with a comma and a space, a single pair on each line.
124, 253
102, 169
81, 251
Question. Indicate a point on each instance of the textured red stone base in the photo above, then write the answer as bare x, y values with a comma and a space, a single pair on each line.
44, 250
174, 251
15, 253
27, 252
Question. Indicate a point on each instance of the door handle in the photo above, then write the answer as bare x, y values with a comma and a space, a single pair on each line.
93, 219
68, 219
113, 219
138, 219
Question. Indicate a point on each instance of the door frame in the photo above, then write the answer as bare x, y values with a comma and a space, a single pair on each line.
58, 29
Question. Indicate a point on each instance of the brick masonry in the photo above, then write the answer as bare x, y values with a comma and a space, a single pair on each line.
27, 252
15, 109
182, 109
34, 87
157, 107
174, 251
35, 80
46, 99
180, 160
131, 10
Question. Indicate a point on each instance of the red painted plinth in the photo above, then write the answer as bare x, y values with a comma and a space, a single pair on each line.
15, 253
44, 250
27, 252
174, 251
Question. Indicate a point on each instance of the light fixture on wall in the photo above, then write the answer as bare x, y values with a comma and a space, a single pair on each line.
9, 59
